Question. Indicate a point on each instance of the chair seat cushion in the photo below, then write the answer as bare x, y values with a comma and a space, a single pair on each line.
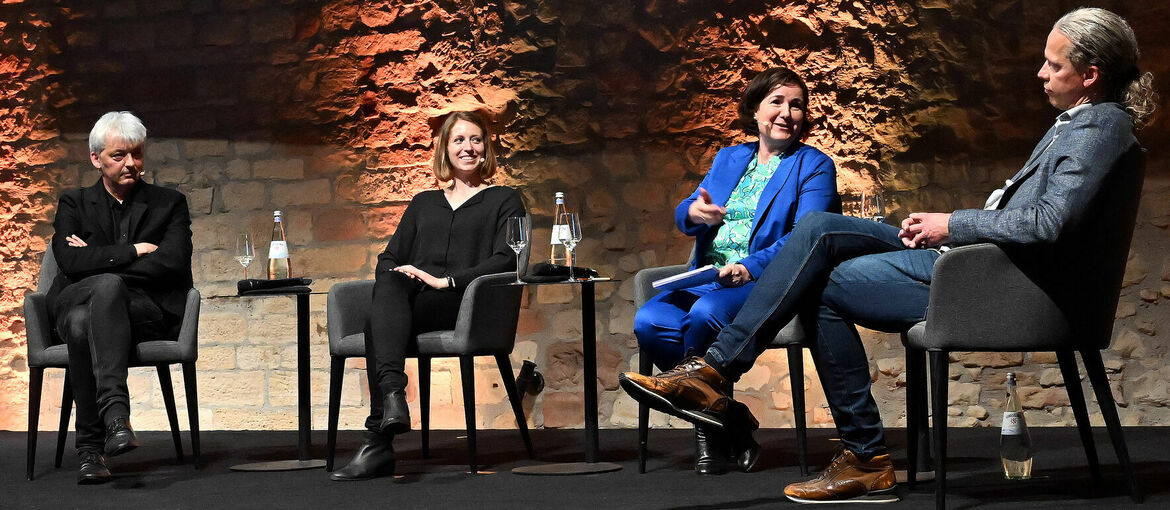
350, 346
792, 333
435, 343
149, 353
55, 356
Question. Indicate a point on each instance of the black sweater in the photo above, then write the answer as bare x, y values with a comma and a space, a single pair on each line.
464, 243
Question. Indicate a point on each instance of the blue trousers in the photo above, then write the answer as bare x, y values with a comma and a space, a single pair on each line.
840, 271
674, 322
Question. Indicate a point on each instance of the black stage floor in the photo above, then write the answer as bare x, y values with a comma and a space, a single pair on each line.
149, 478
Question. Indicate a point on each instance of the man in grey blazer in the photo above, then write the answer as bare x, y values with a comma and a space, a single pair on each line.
848, 271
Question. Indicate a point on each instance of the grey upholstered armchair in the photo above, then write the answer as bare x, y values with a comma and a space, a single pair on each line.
791, 337
982, 300
45, 351
486, 326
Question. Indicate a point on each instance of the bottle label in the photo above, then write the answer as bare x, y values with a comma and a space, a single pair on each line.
1011, 423
278, 250
559, 232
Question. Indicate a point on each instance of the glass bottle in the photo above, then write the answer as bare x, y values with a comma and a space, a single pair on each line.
278, 260
558, 253
1015, 444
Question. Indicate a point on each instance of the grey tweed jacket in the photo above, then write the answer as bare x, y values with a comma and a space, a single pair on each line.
1052, 219
1053, 192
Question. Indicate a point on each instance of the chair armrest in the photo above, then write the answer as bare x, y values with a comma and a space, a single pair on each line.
37, 327
643, 290
348, 309
488, 315
981, 301
189, 329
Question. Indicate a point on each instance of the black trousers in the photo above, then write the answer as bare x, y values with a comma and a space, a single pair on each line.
402, 308
101, 319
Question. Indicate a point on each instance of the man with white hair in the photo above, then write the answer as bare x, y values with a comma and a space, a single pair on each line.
850, 271
124, 249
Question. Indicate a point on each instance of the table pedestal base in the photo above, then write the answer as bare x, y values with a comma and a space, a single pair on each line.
280, 465
567, 468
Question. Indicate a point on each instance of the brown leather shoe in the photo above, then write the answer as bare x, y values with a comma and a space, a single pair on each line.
848, 480
692, 391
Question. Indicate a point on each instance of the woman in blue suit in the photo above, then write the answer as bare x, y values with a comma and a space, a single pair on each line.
740, 216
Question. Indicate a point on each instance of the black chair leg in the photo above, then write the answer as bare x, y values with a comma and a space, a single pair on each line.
336, 375
191, 388
645, 367
467, 373
505, 365
796, 381
36, 380
424, 403
915, 412
1096, 371
168, 393
938, 399
1076, 398
63, 425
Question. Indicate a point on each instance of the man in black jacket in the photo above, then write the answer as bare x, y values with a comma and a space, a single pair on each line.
124, 249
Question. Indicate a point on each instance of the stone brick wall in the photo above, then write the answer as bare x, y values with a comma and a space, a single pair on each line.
324, 110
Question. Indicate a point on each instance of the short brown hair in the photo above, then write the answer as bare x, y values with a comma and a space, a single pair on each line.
442, 162
759, 88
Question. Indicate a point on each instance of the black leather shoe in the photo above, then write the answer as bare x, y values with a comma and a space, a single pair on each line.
744, 448
93, 468
374, 458
395, 414
711, 451
120, 437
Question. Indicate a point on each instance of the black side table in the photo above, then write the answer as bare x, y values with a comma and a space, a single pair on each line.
589, 350
304, 415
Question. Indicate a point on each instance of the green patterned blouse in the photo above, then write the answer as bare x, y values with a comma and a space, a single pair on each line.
731, 243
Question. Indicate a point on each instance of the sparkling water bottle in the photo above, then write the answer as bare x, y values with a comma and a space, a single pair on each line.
278, 260
558, 252
1015, 444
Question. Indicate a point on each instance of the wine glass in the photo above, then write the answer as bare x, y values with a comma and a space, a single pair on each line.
245, 251
570, 236
873, 206
517, 239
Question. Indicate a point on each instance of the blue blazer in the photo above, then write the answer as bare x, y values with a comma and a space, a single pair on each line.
805, 181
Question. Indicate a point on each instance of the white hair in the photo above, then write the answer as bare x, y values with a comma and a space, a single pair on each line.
122, 125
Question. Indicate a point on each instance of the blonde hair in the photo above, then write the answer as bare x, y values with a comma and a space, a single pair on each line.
442, 160
1101, 38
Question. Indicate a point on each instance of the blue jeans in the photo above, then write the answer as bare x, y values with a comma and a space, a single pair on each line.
674, 322
839, 271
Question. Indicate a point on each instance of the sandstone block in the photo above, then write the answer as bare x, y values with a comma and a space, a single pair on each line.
284, 169
254, 419
233, 388
963, 394
339, 224
992, 359
302, 193
221, 357
563, 410
200, 148
244, 196
162, 150
331, 260
221, 328
564, 365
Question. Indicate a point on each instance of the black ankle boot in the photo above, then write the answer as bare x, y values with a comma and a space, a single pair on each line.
395, 413
744, 448
374, 458
711, 452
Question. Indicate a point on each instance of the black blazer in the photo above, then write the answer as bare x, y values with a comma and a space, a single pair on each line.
157, 215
